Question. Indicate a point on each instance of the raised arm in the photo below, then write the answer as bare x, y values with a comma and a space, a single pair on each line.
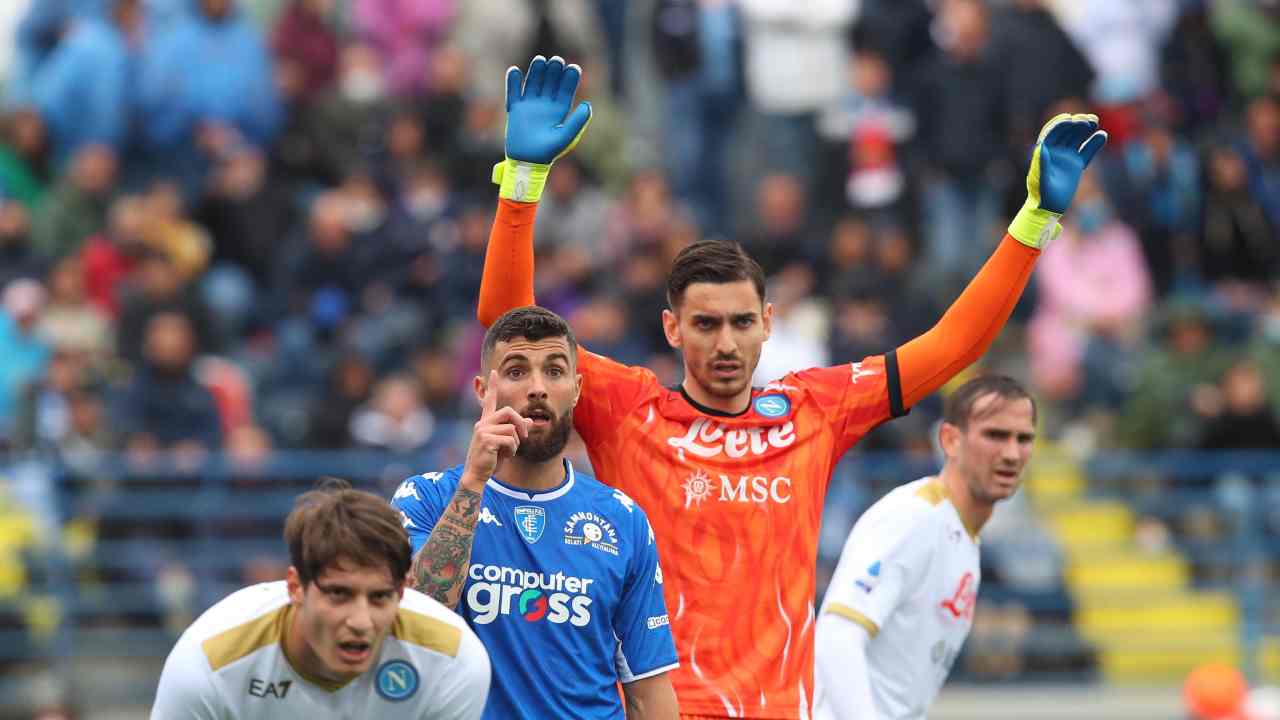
440, 567
540, 129
1066, 145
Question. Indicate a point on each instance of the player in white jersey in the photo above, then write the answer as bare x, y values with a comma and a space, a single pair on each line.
340, 637
901, 602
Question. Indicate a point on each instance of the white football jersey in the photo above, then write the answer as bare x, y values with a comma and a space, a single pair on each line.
909, 574
231, 664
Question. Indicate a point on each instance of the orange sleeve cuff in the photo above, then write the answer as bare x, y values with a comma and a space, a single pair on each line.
970, 325
507, 282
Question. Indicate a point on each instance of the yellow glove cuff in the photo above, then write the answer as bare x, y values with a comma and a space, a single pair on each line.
520, 181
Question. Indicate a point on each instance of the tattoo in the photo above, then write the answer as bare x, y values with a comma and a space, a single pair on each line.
440, 569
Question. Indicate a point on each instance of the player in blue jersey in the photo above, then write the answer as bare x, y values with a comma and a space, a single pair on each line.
555, 572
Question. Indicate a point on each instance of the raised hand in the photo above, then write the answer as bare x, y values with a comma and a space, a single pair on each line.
1066, 145
496, 437
542, 125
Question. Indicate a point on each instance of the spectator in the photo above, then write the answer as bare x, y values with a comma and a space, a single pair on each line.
869, 128
695, 43
395, 418
77, 207
70, 322
246, 216
1261, 152
798, 338
1122, 42
163, 408
169, 232
111, 256
1248, 32
1194, 70
1242, 418
961, 108
83, 88
345, 130
191, 117
406, 33
153, 288
350, 385
323, 278
783, 232
1237, 253
573, 212
1093, 291
1023, 29
24, 157
23, 355
1156, 187
17, 258
304, 43
1173, 392
790, 51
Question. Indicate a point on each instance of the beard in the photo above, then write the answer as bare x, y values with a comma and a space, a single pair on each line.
545, 446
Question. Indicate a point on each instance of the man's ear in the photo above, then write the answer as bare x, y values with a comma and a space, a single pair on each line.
949, 437
671, 328
766, 319
293, 582
477, 386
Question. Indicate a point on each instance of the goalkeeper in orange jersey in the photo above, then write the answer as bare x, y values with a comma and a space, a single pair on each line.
733, 476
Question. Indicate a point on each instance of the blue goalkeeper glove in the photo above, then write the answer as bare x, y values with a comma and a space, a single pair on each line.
540, 128
1066, 145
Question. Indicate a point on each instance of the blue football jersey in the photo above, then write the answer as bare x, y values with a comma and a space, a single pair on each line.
564, 590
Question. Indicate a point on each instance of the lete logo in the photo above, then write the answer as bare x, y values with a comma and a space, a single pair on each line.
707, 439
961, 603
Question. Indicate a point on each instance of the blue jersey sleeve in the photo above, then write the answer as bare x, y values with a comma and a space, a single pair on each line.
645, 644
421, 501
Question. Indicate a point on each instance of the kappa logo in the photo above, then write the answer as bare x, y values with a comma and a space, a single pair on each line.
488, 518
707, 439
531, 520
407, 489
588, 528
627, 502
746, 489
405, 521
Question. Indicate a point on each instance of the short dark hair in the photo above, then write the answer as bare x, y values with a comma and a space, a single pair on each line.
958, 408
335, 522
711, 261
531, 323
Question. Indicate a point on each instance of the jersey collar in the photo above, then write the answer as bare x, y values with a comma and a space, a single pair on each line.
546, 496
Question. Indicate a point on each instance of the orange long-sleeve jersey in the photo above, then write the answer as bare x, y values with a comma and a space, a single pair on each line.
735, 501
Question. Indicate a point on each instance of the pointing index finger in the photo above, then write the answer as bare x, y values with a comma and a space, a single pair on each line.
489, 401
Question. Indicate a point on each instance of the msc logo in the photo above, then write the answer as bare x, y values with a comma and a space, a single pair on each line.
488, 518
588, 528
496, 590
772, 406
531, 520
746, 489
396, 680
707, 439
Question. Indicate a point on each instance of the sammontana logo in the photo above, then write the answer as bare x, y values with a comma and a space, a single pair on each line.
588, 528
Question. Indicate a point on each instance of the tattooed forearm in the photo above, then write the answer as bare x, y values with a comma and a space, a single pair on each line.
440, 569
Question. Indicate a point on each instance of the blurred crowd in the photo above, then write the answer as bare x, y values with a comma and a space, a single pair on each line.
238, 225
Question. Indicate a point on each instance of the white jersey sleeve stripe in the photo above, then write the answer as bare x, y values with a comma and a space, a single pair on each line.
844, 611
